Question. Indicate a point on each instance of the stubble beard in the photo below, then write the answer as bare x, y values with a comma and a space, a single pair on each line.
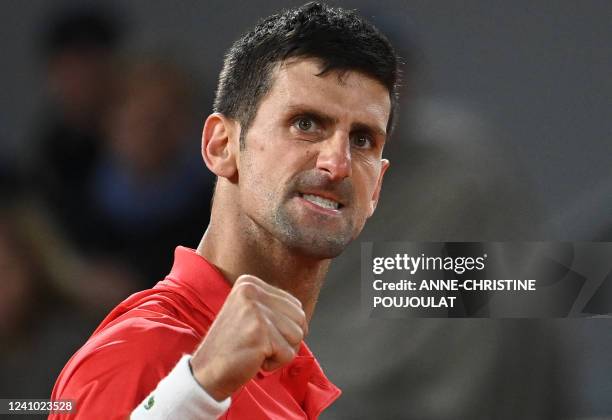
315, 238
311, 241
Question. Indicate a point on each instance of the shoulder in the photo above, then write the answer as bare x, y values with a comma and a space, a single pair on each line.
133, 349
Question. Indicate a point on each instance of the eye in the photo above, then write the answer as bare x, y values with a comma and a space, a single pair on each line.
362, 141
305, 124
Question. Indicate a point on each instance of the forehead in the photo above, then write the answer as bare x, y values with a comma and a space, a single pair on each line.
348, 94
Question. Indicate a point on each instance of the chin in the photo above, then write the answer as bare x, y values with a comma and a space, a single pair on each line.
313, 240
320, 248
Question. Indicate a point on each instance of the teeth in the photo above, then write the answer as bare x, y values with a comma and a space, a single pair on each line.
320, 201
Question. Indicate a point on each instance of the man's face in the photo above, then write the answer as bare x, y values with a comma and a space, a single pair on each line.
311, 171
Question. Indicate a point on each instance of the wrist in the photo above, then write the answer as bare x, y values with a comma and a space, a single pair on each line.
208, 383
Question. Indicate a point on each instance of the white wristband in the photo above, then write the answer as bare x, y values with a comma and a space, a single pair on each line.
180, 396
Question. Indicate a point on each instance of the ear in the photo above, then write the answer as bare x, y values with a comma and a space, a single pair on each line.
384, 165
219, 145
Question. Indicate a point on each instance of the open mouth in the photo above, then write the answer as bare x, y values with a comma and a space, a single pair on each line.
326, 203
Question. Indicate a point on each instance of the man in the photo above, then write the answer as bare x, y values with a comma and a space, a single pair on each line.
303, 109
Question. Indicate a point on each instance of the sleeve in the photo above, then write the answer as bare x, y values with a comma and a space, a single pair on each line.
179, 396
119, 366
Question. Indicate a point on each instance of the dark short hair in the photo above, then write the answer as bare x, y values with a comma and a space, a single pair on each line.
341, 39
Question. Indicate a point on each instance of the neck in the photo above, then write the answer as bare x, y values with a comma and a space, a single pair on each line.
235, 251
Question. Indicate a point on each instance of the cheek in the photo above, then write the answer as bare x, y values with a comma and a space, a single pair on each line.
366, 180
365, 184
259, 180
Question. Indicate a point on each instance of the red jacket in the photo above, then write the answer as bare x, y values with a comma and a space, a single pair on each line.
142, 339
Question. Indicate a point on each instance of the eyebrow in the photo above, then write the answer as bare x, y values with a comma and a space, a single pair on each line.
328, 120
367, 127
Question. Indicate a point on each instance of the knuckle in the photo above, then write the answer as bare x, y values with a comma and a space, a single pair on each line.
249, 312
243, 277
300, 335
246, 290
258, 322
286, 354
255, 330
296, 339
258, 314
248, 278
302, 315
298, 302
301, 320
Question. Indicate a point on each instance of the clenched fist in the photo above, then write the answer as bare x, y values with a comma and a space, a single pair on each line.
259, 327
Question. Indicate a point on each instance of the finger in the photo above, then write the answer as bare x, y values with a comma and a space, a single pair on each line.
279, 353
281, 305
267, 287
291, 331
278, 300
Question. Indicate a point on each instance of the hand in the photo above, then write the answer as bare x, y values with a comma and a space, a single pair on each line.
259, 327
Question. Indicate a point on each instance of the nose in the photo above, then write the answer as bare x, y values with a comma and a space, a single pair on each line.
335, 156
